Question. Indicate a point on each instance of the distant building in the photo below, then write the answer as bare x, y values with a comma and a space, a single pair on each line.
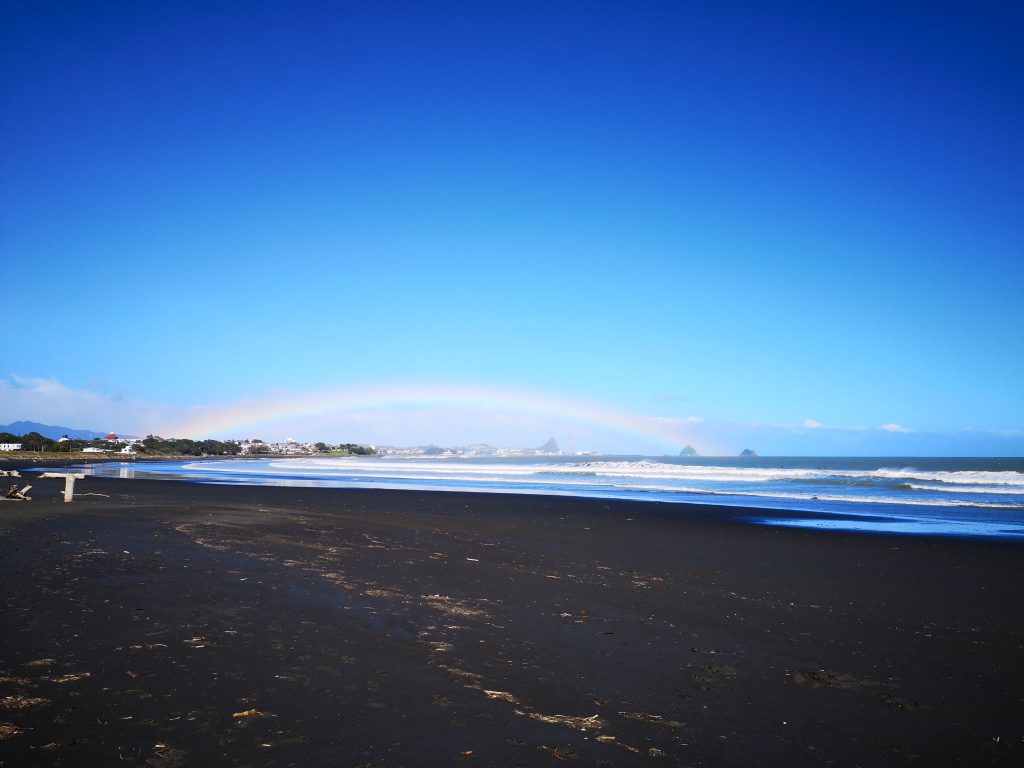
111, 438
10, 446
90, 449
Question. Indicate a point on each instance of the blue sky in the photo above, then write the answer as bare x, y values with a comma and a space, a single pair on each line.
780, 225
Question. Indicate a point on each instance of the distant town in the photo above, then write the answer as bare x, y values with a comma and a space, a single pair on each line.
41, 439
45, 438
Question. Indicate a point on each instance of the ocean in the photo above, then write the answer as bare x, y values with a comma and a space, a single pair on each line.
937, 496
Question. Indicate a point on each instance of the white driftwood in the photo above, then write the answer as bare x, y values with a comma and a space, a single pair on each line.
13, 494
69, 482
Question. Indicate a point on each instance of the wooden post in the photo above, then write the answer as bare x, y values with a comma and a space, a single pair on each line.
69, 482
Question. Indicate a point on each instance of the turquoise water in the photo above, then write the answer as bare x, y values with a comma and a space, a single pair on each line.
941, 496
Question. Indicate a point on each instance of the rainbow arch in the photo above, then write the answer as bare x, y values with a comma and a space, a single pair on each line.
246, 416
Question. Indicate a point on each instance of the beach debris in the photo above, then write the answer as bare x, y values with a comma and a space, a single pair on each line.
18, 495
122, 756
22, 682
22, 702
827, 678
9, 729
39, 663
451, 606
644, 717
466, 753
69, 678
249, 713
9, 473
503, 695
382, 593
604, 739
196, 642
454, 672
169, 756
577, 722
559, 753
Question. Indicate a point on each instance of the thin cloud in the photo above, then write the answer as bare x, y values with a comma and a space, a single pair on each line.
812, 424
896, 428
50, 401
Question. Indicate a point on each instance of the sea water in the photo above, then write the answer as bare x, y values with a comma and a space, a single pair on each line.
968, 497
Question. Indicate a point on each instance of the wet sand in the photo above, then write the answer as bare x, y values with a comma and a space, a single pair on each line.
171, 624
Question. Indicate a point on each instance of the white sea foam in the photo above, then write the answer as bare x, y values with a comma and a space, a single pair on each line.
644, 469
964, 477
641, 477
998, 489
947, 527
916, 502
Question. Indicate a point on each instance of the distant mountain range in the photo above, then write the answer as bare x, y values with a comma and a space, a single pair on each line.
50, 431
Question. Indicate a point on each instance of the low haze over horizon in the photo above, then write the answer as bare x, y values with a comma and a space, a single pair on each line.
797, 228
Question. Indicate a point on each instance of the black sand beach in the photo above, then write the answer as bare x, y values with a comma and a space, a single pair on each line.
172, 624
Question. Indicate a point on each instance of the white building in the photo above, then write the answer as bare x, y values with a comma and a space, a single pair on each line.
10, 446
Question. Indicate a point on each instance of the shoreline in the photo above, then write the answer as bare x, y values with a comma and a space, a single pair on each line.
861, 516
403, 627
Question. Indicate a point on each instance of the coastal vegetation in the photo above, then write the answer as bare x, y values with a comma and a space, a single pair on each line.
156, 446
347, 449
33, 441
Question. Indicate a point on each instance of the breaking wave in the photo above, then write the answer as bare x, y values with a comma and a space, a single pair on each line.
938, 495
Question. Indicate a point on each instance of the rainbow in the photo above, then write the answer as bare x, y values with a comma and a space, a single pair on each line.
246, 416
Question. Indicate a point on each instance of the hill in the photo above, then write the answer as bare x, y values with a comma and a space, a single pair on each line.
551, 446
49, 430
